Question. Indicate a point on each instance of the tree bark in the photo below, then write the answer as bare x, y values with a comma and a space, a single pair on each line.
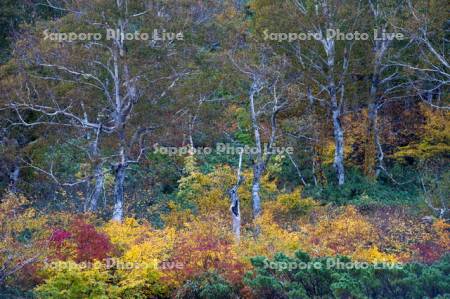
235, 204
119, 179
329, 47
256, 185
98, 188
14, 177
258, 167
94, 195
373, 152
339, 144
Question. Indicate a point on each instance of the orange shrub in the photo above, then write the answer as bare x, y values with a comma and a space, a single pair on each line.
206, 245
432, 249
342, 234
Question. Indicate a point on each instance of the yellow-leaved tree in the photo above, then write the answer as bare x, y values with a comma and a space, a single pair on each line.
141, 251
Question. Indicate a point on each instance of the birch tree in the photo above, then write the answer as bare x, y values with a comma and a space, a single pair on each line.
123, 78
265, 99
235, 207
385, 79
323, 59
429, 73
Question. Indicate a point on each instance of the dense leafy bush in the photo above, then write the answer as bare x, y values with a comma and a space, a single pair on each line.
207, 285
69, 280
197, 256
143, 249
82, 242
91, 245
206, 246
361, 191
279, 278
15, 293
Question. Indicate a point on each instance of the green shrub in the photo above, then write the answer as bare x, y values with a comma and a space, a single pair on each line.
206, 286
68, 280
274, 279
360, 191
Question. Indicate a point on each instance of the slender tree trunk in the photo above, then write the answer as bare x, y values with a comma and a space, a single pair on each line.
380, 154
256, 186
98, 187
14, 177
119, 192
329, 47
119, 178
120, 118
236, 215
235, 208
261, 158
339, 145
94, 195
373, 153
258, 167
299, 173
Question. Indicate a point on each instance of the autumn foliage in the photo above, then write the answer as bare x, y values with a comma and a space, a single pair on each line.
206, 246
120, 260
